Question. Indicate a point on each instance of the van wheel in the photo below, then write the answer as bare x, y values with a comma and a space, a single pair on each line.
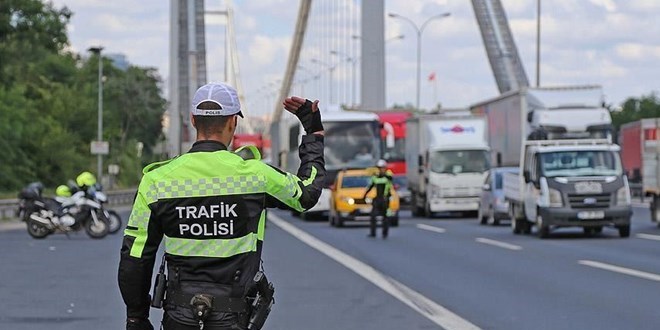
482, 219
516, 223
543, 229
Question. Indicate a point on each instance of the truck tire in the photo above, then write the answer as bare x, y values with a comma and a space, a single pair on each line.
416, 210
515, 226
655, 209
624, 230
543, 230
427, 210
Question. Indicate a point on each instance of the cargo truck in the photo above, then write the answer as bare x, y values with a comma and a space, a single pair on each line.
640, 151
570, 173
446, 160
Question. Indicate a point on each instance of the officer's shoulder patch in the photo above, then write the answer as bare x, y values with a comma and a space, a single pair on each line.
248, 152
156, 165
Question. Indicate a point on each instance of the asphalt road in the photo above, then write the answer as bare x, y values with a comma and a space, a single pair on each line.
430, 272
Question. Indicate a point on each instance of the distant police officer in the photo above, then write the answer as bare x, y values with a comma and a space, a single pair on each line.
382, 181
209, 207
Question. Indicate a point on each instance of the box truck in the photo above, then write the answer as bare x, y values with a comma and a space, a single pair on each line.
446, 158
640, 151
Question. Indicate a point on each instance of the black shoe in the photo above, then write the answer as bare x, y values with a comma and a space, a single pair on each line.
371, 235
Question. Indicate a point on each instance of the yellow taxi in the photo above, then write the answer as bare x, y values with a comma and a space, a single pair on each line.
347, 204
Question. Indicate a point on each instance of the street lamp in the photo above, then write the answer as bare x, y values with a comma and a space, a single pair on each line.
330, 68
419, 31
99, 136
353, 61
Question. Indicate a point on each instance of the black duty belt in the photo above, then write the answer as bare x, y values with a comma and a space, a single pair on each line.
220, 304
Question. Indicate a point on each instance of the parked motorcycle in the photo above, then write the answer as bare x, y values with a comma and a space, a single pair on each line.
45, 216
114, 220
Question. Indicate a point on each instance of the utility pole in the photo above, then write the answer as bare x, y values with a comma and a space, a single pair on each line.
99, 135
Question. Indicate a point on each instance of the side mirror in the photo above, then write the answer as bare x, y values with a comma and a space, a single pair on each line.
420, 161
526, 176
486, 187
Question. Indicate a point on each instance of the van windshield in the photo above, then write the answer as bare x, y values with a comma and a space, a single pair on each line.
459, 161
580, 163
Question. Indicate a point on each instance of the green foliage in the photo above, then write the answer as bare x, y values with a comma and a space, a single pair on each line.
48, 103
633, 109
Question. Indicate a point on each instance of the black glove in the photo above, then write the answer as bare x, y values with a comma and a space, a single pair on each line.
311, 121
138, 324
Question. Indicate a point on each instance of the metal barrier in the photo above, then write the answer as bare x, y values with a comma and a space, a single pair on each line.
8, 207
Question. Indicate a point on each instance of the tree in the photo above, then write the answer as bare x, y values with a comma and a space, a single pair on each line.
48, 102
632, 109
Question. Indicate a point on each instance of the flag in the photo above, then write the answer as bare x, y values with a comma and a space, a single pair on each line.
432, 76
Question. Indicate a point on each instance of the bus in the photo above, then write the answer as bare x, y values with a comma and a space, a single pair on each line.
352, 140
393, 143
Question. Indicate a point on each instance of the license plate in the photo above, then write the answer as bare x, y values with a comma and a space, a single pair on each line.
586, 215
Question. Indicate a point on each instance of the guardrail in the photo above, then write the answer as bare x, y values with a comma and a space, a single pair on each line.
8, 207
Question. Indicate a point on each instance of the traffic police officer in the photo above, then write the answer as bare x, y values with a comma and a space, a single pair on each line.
382, 181
208, 205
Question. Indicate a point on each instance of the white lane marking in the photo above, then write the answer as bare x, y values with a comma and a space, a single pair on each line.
498, 243
621, 270
649, 236
428, 308
431, 228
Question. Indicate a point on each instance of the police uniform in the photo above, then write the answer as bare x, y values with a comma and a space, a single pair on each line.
209, 208
382, 182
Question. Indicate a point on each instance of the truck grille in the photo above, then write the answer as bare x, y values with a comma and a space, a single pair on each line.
459, 191
592, 201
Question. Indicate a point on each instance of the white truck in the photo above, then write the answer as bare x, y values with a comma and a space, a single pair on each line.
570, 171
446, 158
640, 151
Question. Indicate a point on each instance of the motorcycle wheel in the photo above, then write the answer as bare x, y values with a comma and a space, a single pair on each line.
97, 229
114, 222
36, 229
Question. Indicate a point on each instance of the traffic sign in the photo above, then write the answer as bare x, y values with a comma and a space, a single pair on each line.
100, 147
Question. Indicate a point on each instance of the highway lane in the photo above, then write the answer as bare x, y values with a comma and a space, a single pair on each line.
483, 274
542, 285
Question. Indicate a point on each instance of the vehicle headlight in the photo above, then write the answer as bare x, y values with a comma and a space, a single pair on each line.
368, 200
554, 198
623, 196
348, 200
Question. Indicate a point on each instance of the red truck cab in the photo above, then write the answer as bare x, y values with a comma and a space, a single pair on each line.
393, 144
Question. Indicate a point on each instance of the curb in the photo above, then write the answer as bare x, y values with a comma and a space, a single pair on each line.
12, 225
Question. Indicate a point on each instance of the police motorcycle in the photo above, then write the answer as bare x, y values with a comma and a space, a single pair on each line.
45, 216
114, 219
86, 182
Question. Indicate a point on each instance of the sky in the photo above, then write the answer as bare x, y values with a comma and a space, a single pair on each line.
613, 43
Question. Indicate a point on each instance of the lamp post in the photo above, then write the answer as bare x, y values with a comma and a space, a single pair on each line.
353, 61
331, 68
419, 31
99, 136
